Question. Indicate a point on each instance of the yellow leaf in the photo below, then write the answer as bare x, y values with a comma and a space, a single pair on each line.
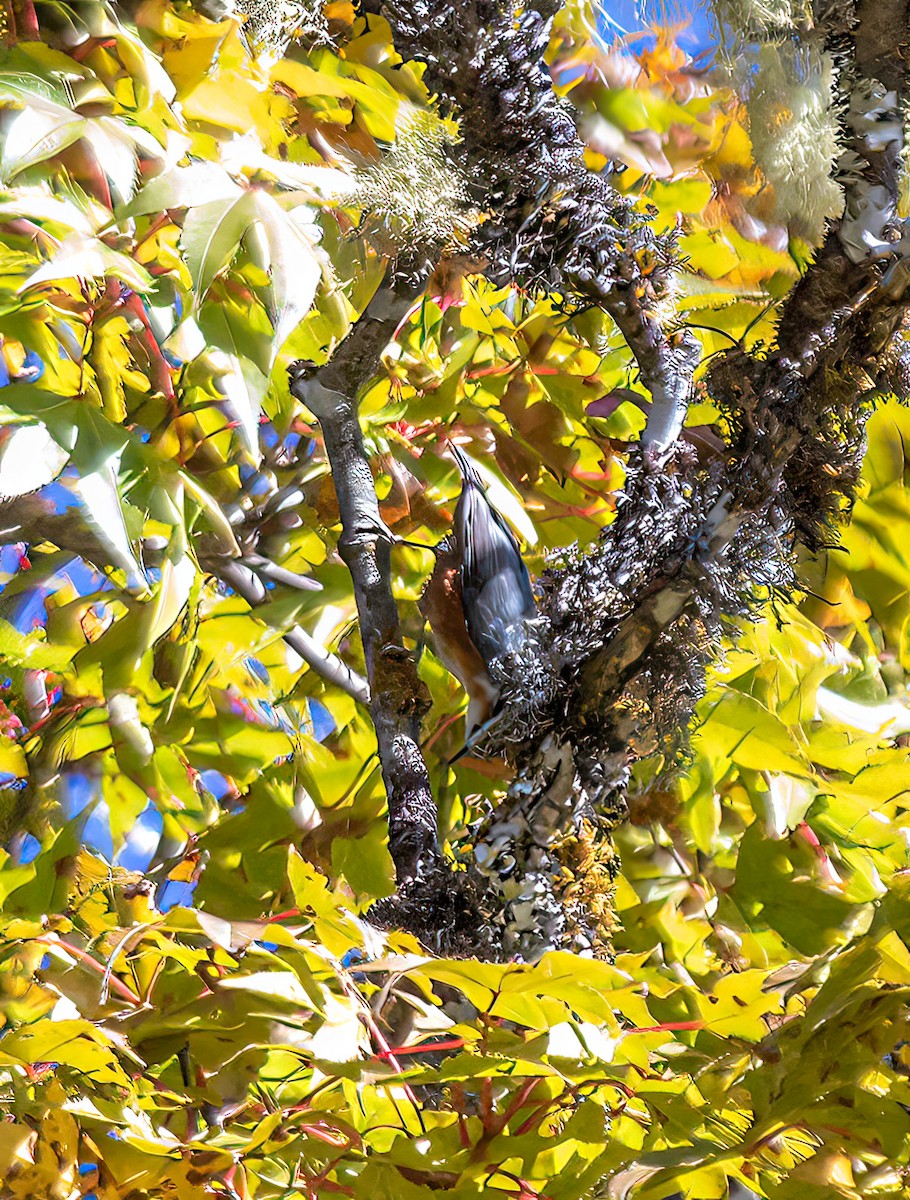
12, 759
895, 960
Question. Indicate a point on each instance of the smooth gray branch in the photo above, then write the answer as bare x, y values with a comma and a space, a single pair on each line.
326, 664
398, 698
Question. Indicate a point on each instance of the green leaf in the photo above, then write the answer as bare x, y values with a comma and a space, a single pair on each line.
333, 925
365, 863
72, 1043
291, 257
80, 257
774, 887
211, 236
199, 183
104, 512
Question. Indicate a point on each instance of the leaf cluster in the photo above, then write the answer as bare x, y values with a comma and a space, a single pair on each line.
193, 999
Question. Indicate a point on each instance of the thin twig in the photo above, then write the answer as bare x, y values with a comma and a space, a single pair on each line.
326, 664
83, 956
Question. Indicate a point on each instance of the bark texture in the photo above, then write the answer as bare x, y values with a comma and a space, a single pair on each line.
554, 225
617, 658
625, 636
436, 904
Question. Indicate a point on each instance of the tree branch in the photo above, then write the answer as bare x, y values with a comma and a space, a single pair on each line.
628, 631
440, 906
554, 224
326, 664
398, 699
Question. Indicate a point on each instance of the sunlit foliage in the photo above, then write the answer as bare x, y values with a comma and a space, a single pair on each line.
193, 1001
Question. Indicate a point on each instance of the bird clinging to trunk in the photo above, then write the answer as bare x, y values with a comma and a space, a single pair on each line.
479, 596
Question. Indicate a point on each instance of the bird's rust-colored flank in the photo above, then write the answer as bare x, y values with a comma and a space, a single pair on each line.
479, 595
442, 605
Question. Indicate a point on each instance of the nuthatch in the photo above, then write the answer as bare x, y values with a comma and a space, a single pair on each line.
479, 595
